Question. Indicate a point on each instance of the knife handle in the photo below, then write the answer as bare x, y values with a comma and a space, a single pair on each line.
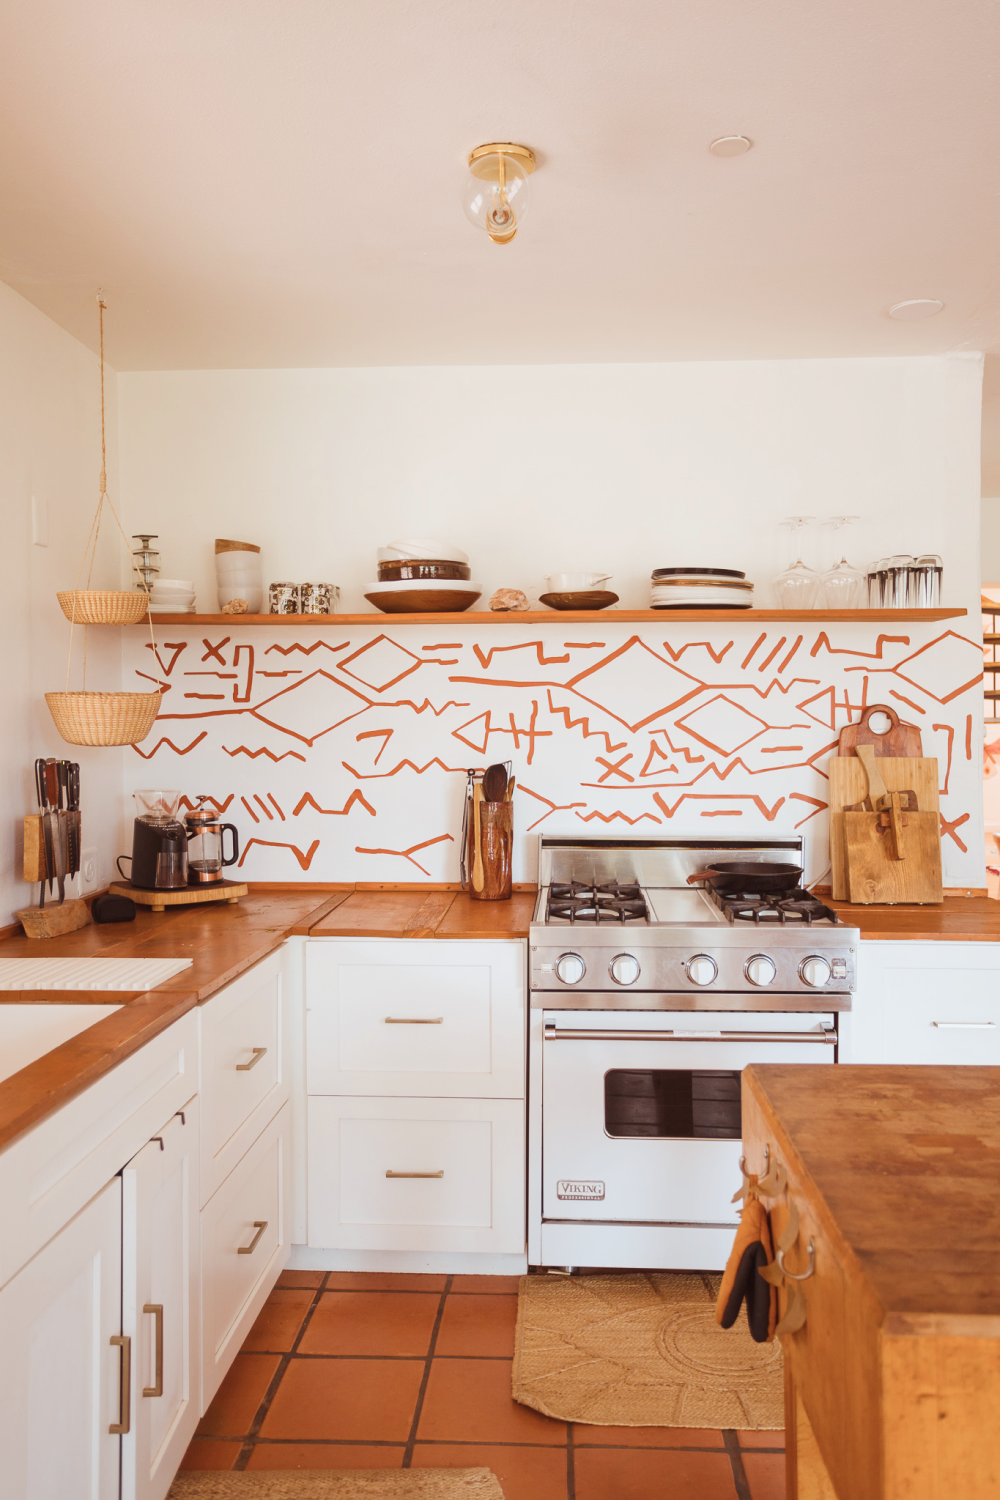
52, 782
40, 784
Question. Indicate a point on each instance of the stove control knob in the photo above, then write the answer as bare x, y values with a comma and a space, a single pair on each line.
570, 968
814, 972
702, 969
624, 969
760, 969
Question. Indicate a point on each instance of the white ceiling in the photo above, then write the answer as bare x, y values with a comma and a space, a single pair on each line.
277, 184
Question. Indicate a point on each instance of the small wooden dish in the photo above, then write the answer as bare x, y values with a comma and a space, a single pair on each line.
192, 895
584, 599
418, 601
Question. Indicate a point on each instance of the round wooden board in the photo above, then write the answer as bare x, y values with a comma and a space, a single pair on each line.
192, 895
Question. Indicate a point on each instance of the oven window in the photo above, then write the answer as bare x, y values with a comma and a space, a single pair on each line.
689, 1103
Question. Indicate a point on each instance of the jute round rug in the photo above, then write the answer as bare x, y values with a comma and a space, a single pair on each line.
641, 1349
338, 1484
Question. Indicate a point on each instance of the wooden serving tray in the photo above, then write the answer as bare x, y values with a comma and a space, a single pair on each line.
229, 891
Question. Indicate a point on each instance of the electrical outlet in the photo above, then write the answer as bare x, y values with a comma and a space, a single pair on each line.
88, 871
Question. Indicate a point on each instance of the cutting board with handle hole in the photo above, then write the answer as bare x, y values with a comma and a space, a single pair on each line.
898, 740
848, 785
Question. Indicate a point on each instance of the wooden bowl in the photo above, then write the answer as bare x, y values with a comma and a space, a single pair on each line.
418, 601
584, 599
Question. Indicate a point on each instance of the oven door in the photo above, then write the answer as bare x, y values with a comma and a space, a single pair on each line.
641, 1111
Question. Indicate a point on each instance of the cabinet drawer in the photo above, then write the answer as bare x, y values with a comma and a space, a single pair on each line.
235, 1284
50, 1172
243, 1081
935, 1015
415, 1017
469, 1154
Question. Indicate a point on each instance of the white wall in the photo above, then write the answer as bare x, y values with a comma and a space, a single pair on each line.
990, 539
50, 405
532, 469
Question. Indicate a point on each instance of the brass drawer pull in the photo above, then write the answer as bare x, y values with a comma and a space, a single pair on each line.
258, 1053
260, 1225
414, 1020
124, 1423
156, 1308
416, 1174
804, 1275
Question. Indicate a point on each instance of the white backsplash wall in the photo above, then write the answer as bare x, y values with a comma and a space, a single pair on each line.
544, 468
51, 451
339, 752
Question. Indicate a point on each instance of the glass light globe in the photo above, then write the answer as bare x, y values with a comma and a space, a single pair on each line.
495, 196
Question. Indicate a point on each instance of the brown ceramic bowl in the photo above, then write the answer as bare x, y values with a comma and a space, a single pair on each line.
418, 601
390, 571
580, 599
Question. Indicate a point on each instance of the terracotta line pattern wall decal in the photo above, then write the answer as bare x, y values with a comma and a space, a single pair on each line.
664, 726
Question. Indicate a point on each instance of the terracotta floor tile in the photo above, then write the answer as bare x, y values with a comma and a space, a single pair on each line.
647, 1437
278, 1321
475, 1324
324, 1456
207, 1453
485, 1283
300, 1279
470, 1400
766, 1475
524, 1473
358, 1323
384, 1281
235, 1403
639, 1474
363, 1400
761, 1439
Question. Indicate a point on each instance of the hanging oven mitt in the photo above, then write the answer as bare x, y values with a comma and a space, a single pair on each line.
741, 1282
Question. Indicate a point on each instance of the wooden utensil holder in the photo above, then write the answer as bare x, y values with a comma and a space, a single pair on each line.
496, 842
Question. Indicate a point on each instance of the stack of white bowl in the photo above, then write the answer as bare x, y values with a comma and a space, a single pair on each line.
172, 596
238, 576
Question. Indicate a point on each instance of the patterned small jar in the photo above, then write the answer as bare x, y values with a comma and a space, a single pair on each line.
283, 598
318, 598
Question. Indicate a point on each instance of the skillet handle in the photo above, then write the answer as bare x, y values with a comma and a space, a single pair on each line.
701, 875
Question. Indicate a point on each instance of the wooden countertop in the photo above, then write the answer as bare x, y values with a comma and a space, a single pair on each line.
426, 914
959, 919
903, 1166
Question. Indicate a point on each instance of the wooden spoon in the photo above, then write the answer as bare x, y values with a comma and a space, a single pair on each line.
494, 783
510, 789
478, 878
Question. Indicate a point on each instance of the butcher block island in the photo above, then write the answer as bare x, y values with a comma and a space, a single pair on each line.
892, 1384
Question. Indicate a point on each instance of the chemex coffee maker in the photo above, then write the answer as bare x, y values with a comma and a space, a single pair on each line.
168, 854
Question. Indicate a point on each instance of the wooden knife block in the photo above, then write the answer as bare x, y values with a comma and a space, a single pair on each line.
34, 849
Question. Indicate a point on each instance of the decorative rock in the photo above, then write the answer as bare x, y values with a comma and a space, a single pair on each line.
504, 600
235, 607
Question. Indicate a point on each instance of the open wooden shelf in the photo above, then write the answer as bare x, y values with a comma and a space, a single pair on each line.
571, 616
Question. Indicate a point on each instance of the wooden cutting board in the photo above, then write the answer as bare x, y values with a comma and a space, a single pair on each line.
874, 876
848, 785
899, 739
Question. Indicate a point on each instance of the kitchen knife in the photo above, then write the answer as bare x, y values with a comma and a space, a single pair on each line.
46, 854
55, 836
73, 793
41, 771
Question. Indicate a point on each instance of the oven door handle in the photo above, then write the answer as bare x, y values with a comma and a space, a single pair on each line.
576, 1034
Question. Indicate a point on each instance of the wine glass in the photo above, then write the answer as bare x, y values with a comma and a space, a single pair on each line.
843, 585
798, 585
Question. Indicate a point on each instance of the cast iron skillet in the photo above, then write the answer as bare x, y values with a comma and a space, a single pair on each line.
752, 879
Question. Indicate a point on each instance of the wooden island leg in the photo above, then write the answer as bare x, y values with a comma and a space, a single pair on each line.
806, 1475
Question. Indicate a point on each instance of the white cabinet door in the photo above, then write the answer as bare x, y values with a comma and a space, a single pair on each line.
243, 1066
61, 1386
161, 1304
415, 1017
927, 1003
244, 1245
416, 1174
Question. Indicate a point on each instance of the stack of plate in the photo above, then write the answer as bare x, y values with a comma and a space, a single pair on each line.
172, 596
420, 576
700, 588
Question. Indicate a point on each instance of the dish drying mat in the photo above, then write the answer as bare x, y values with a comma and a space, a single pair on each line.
88, 973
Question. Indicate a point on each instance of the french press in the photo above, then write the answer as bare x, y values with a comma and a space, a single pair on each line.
206, 860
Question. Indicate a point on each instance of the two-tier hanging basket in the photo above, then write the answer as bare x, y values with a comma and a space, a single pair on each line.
88, 718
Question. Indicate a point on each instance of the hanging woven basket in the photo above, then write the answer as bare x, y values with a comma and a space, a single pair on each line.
103, 606
103, 718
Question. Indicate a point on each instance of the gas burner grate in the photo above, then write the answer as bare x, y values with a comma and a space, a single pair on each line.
573, 902
784, 906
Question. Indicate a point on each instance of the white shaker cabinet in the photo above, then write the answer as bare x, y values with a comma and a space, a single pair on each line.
935, 1002
64, 1388
161, 1304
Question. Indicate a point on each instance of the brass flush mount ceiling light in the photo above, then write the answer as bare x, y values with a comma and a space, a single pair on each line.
495, 197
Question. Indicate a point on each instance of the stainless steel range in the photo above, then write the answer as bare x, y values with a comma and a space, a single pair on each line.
648, 998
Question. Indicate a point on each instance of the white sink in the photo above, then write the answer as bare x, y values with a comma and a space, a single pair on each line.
27, 1032
88, 973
